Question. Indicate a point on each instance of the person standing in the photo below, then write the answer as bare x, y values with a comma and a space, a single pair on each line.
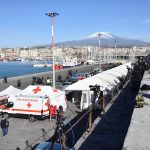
5, 79
51, 112
4, 125
48, 81
19, 83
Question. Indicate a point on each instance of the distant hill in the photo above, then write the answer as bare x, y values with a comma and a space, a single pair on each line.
105, 39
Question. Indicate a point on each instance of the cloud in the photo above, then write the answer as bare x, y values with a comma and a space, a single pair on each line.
147, 21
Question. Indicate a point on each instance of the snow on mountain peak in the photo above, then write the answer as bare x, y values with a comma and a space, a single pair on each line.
103, 35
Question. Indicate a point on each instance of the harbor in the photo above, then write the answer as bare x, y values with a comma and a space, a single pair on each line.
34, 132
42, 129
27, 79
74, 77
112, 125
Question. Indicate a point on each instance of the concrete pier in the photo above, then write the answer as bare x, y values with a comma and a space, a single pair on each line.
27, 79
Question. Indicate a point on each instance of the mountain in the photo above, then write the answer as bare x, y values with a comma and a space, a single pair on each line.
104, 39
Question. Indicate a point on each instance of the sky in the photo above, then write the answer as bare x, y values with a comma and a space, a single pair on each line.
23, 23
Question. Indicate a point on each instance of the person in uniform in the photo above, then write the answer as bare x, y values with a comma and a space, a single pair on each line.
4, 125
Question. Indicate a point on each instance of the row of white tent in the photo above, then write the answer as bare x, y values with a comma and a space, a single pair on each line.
107, 80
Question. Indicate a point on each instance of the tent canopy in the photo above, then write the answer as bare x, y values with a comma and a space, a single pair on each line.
11, 90
107, 78
83, 85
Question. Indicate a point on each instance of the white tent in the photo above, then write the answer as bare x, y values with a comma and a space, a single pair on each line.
114, 73
56, 96
119, 71
123, 68
11, 90
107, 78
83, 85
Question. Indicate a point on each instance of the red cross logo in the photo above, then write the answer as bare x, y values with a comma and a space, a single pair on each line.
37, 89
55, 90
29, 105
47, 103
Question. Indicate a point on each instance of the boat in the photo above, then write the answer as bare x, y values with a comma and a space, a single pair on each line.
70, 62
18, 59
48, 65
39, 65
42, 64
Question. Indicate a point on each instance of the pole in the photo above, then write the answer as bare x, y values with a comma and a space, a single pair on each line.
52, 32
90, 121
115, 50
53, 52
99, 42
52, 15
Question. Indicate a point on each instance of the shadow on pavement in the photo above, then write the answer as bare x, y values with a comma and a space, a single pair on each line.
119, 117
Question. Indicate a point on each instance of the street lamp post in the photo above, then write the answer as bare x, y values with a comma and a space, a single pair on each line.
115, 50
99, 44
52, 15
99, 39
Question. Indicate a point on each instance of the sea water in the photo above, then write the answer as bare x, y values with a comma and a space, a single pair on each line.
18, 68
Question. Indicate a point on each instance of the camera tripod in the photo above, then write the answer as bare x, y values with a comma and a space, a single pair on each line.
59, 131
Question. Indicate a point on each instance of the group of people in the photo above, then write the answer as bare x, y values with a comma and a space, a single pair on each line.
37, 80
55, 113
4, 125
40, 80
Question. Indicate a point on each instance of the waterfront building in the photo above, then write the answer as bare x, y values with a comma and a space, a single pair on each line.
45, 53
11, 54
24, 54
83, 53
58, 52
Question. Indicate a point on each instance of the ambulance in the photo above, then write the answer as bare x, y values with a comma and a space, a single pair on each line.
34, 101
5, 104
32, 106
